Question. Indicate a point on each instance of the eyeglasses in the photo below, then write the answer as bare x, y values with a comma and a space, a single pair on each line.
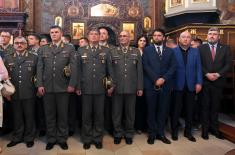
5, 36
17, 43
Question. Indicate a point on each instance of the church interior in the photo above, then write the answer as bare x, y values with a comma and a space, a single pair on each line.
138, 17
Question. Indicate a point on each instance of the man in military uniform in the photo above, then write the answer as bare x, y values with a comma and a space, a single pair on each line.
6, 47
95, 66
104, 36
128, 72
21, 66
33, 42
55, 85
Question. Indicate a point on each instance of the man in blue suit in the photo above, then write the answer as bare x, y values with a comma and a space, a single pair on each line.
188, 80
159, 65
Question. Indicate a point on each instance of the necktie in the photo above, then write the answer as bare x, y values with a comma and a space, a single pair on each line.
125, 50
213, 52
93, 49
159, 52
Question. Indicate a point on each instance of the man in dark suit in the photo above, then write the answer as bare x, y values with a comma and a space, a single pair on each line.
216, 61
159, 65
54, 85
188, 80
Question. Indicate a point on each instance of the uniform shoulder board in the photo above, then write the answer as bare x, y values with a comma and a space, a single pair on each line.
9, 54
34, 53
44, 45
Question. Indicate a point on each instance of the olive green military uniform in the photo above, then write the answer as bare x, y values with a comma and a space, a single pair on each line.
39, 107
22, 70
95, 65
52, 60
8, 111
108, 123
8, 51
128, 73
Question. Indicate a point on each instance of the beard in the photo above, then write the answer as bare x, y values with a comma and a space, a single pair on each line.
158, 43
212, 42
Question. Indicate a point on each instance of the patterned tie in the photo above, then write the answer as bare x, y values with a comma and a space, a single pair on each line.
93, 49
213, 52
125, 50
159, 52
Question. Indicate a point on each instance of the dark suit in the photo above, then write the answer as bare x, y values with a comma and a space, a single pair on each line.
128, 73
157, 101
188, 74
212, 91
50, 75
22, 69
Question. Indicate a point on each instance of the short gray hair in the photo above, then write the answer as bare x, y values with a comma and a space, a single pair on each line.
213, 29
20, 37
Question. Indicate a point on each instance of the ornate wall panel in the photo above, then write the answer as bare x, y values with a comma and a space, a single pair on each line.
73, 11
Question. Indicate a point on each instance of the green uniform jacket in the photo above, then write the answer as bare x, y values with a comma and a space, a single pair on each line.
22, 72
94, 67
50, 68
128, 71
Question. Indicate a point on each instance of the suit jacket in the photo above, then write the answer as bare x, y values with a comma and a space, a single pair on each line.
94, 66
50, 68
221, 63
22, 71
154, 67
128, 71
191, 72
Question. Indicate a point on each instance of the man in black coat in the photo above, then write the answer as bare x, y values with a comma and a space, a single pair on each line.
216, 61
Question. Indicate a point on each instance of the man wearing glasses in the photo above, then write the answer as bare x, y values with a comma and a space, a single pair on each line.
128, 73
21, 66
216, 61
5, 46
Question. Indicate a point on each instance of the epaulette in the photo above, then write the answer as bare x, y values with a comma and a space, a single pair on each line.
34, 53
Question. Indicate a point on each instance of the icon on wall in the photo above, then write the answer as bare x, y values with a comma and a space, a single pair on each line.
78, 30
58, 21
200, 1
147, 23
174, 3
129, 27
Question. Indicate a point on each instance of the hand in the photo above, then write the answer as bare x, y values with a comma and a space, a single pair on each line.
211, 76
139, 92
159, 82
216, 75
198, 88
41, 91
70, 89
78, 92
110, 91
